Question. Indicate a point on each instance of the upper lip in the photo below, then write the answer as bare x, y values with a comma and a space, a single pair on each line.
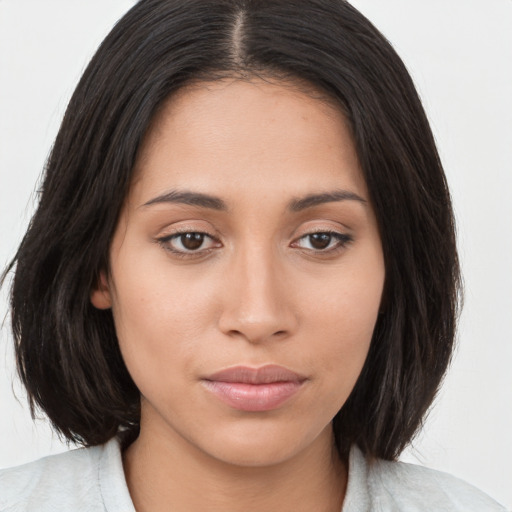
263, 375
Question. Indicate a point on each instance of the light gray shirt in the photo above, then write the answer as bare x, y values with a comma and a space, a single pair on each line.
92, 479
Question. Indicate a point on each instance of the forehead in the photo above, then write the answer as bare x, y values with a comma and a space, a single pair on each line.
247, 131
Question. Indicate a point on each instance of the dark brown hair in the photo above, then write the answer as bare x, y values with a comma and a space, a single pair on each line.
67, 351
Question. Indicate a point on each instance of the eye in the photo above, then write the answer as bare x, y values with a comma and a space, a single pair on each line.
188, 242
324, 241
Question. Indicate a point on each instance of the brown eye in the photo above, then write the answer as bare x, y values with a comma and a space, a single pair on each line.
189, 243
320, 240
323, 241
192, 241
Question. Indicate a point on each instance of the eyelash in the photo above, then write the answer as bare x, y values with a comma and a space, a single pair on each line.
342, 241
165, 242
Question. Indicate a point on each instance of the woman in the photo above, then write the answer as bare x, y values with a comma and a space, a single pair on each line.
242, 275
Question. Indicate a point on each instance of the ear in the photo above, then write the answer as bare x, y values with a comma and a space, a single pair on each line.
100, 292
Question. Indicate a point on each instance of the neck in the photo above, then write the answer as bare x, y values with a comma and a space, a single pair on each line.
169, 474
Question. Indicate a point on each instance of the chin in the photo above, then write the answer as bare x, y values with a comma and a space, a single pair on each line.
261, 446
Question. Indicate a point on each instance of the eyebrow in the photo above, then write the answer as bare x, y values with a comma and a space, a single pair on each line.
311, 200
215, 203
190, 198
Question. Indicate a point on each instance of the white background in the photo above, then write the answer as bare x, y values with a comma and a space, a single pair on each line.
460, 55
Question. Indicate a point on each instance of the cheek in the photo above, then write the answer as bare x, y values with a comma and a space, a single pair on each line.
344, 336
160, 318
342, 320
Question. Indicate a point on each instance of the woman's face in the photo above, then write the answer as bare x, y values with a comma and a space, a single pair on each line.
246, 271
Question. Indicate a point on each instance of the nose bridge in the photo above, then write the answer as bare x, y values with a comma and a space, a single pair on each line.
257, 307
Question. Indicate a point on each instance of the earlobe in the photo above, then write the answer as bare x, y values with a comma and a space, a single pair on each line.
100, 292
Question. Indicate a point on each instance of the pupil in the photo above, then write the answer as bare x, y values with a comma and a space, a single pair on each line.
320, 240
192, 241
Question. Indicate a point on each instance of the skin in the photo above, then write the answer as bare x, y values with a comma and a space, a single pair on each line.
258, 290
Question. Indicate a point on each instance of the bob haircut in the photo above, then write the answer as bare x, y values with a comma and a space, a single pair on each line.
67, 351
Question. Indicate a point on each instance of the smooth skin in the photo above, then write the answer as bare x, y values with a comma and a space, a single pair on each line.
281, 263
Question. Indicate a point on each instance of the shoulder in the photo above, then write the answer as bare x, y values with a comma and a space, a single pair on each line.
418, 488
69, 478
73, 480
397, 486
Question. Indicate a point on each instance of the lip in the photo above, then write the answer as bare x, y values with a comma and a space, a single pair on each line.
254, 389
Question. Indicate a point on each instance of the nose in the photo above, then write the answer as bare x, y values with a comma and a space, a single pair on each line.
257, 305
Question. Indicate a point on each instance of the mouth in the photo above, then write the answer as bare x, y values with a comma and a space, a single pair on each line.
254, 389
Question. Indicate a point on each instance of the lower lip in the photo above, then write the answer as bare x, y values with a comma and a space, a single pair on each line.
253, 397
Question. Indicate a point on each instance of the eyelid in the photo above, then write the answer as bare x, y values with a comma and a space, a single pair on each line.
182, 226
165, 241
333, 233
182, 230
343, 240
310, 228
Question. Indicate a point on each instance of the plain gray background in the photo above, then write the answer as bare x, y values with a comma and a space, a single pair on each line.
460, 55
